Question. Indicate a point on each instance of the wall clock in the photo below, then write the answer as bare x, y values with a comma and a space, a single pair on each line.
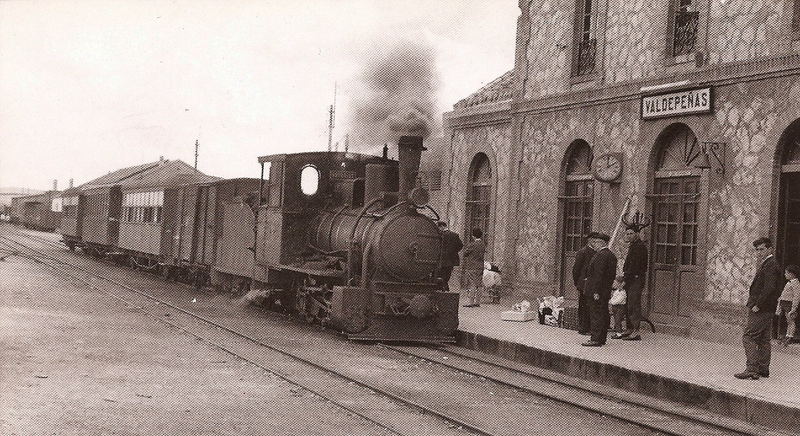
608, 167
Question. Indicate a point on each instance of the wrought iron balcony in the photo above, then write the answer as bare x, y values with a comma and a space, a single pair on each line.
585, 62
685, 35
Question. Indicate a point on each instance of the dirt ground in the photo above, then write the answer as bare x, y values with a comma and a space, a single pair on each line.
76, 362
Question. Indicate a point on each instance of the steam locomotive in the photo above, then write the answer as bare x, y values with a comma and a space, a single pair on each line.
341, 239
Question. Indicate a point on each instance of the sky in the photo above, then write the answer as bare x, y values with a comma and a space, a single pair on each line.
87, 87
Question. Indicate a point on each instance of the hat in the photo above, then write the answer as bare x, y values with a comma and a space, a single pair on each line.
598, 235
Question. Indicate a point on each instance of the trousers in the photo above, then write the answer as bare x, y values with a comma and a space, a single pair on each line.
784, 307
446, 272
599, 319
756, 341
633, 288
619, 314
584, 309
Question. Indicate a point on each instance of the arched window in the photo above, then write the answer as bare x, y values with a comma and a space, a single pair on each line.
579, 193
479, 195
577, 208
792, 156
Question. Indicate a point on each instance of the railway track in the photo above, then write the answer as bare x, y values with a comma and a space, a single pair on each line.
62, 267
503, 379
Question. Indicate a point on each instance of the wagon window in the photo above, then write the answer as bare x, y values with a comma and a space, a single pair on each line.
309, 180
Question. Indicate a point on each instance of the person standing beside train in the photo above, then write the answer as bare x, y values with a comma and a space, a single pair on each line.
473, 267
582, 258
634, 271
452, 245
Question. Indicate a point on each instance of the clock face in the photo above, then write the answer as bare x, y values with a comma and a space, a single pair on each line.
607, 167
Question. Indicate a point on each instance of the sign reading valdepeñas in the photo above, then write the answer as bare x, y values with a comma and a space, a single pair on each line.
677, 103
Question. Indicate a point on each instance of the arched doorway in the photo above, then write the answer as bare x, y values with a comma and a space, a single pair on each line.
479, 198
788, 245
677, 264
577, 208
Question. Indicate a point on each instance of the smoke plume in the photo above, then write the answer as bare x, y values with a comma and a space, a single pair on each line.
395, 96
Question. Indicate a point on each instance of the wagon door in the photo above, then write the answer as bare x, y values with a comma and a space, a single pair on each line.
210, 235
188, 208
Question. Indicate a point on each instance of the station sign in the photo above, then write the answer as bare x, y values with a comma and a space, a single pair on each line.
692, 101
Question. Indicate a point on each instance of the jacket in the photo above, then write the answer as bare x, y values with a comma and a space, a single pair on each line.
451, 246
473, 255
635, 261
600, 274
582, 258
766, 287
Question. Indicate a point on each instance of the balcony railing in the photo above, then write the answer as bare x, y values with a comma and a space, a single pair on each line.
685, 35
585, 62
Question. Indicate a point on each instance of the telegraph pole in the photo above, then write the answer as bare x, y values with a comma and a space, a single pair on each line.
196, 151
332, 118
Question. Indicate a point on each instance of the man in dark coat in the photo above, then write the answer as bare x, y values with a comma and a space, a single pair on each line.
599, 280
764, 292
582, 258
473, 267
451, 246
634, 270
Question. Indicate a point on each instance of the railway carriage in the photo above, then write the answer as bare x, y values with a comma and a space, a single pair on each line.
40, 211
99, 209
149, 205
72, 217
200, 212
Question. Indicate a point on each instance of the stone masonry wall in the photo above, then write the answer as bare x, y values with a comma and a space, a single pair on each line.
749, 117
633, 39
748, 29
495, 141
545, 139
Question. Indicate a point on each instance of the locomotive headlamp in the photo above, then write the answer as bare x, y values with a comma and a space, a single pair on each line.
419, 196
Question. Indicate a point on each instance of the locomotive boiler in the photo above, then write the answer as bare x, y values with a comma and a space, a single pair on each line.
341, 239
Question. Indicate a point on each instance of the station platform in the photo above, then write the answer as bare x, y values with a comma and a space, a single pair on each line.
687, 371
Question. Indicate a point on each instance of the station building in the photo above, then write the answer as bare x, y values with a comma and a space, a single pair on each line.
687, 111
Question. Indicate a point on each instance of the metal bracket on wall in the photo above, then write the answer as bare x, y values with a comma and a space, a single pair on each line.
714, 156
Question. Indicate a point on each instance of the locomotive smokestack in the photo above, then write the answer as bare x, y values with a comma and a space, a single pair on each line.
410, 151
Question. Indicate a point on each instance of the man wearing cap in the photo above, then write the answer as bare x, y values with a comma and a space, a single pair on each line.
634, 271
761, 303
599, 279
582, 258
451, 246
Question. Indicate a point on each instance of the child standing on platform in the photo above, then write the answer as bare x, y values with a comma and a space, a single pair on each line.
789, 300
618, 301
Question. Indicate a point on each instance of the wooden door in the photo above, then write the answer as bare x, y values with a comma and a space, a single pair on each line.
789, 226
676, 275
577, 223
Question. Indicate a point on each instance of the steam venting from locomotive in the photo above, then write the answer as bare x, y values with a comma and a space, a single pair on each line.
398, 90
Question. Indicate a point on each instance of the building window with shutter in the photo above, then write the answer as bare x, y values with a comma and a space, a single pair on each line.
683, 24
479, 204
585, 46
